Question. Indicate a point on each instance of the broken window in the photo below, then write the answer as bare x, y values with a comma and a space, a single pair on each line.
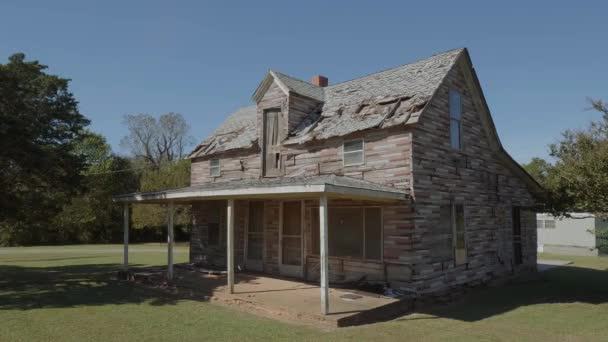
455, 119
352, 233
214, 167
272, 153
352, 152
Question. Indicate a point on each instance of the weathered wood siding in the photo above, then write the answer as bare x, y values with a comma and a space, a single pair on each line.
387, 160
474, 177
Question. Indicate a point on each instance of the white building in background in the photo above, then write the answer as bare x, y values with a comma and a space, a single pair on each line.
576, 235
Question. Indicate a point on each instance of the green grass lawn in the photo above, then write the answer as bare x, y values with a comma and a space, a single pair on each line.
68, 294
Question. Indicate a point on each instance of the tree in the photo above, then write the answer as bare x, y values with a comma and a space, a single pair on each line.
539, 169
170, 176
579, 177
92, 216
157, 141
39, 126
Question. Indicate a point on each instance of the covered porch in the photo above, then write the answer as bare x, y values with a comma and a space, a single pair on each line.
281, 226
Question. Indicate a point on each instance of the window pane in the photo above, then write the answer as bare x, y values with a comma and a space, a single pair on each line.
539, 224
256, 217
214, 163
353, 158
373, 233
460, 248
346, 232
214, 171
355, 145
460, 256
292, 219
292, 251
460, 218
550, 224
455, 105
213, 234
444, 247
255, 246
455, 134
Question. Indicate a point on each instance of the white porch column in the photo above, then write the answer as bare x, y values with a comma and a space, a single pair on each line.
126, 236
170, 242
230, 246
323, 255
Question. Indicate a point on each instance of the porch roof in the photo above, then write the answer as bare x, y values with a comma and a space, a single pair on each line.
284, 187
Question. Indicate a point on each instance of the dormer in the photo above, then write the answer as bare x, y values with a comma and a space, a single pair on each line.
283, 102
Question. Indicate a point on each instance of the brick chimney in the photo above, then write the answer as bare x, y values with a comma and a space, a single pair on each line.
320, 81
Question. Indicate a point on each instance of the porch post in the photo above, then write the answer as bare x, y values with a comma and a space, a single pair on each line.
170, 242
230, 246
126, 236
323, 255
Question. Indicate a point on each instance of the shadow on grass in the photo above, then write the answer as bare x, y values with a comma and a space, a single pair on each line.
24, 288
560, 285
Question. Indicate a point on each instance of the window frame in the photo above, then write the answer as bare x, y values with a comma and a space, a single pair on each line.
455, 234
549, 220
363, 258
218, 167
274, 172
458, 120
362, 151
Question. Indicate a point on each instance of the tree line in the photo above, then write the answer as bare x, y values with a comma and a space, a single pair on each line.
57, 177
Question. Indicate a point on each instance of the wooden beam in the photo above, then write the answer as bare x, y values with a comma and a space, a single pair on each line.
126, 236
170, 242
230, 246
324, 255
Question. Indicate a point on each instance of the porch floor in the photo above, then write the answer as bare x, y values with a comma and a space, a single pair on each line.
289, 299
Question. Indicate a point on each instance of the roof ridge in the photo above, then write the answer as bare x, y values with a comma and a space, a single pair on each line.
294, 78
396, 67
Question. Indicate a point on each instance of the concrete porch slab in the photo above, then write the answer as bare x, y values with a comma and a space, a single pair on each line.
288, 299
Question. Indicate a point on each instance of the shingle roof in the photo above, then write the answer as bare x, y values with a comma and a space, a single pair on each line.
301, 87
264, 186
237, 132
383, 99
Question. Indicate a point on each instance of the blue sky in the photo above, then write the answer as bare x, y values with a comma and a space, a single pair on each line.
537, 61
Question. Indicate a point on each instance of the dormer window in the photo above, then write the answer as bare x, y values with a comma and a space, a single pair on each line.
214, 168
271, 149
455, 119
352, 152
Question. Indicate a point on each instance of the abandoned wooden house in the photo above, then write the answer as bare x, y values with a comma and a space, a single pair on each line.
397, 177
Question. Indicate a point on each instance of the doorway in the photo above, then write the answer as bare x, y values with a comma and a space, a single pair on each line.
254, 256
290, 237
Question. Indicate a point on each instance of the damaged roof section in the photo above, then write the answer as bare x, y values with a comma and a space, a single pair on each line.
388, 98
237, 132
377, 113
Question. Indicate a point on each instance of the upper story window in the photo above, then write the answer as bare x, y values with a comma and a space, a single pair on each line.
353, 153
214, 167
271, 153
455, 119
